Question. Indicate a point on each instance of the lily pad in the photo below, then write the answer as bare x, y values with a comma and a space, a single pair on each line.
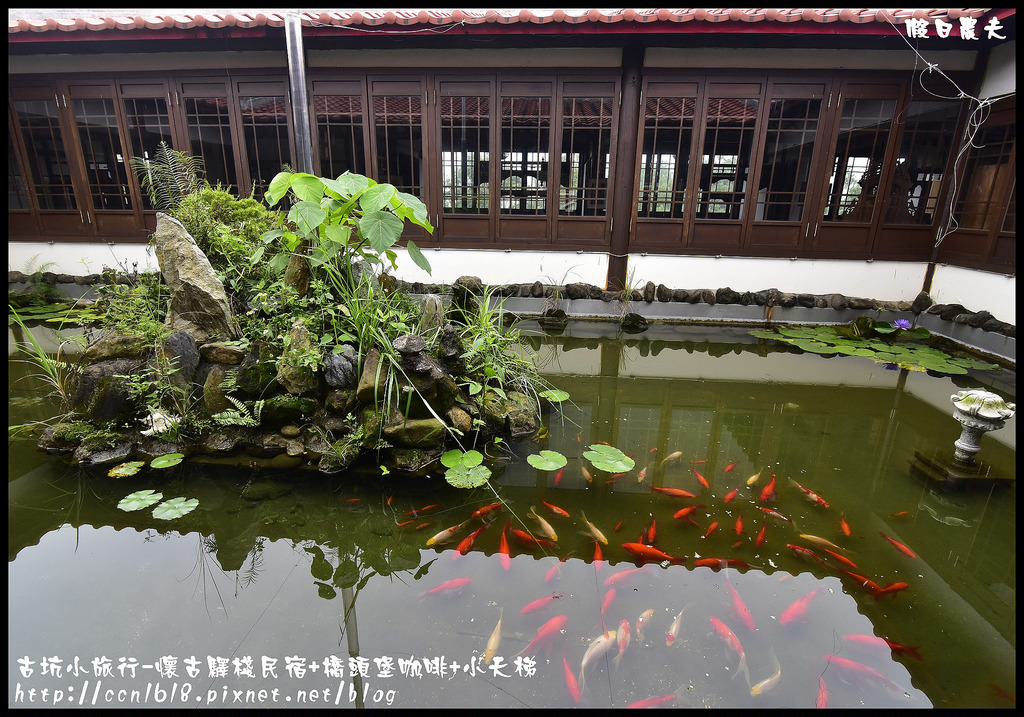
464, 477
167, 460
175, 508
466, 459
126, 469
554, 395
140, 499
547, 460
609, 458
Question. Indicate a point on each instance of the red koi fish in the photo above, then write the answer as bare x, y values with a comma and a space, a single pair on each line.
622, 636
900, 514
862, 672
391, 498
841, 558
863, 581
445, 535
503, 552
890, 589
607, 601
702, 479
598, 556
558, 477
455, 585
821, 701
911, 650
617, 526
653, 450
775, 514
732, 642
711, 529
730, 467
652, 530
421, 526
354, 500
899, 546
621, 576
843, 525
759, 541
684, 513
651, 702
486, 510
739, 525
811, 495
424, 509
555, 568
545, 635
467, 542
649, 554
798, 609
806, 553
674, 492
530, 541
407, 522
570, 681
540, 603
717, 564
730, 495
698, 462
768, 492
741, 609
555, 509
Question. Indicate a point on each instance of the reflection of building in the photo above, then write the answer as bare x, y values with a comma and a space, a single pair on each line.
600, 122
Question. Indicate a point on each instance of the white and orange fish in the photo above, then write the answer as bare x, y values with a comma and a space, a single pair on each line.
674, 456
597, 649
673, 630
623, 637
641, 622
811, 495
733, 643
445, 535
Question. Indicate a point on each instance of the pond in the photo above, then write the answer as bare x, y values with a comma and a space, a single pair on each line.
289, 588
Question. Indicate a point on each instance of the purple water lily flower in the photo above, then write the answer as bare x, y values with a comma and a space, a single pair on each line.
901, 324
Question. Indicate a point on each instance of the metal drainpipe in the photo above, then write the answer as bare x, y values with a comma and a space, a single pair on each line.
300, 98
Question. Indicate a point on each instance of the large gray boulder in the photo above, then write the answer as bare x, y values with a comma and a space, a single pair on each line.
199, 304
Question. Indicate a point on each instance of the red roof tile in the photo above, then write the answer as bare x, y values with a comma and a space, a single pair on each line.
768, 18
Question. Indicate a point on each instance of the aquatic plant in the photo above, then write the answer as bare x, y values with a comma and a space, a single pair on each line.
609, 458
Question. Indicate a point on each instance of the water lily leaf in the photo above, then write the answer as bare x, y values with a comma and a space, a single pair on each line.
764, 334
817, 347
462, 477
554, 395
547, 460
140, 499
609, 458
175, 508
167, 460
126, 469
451, 458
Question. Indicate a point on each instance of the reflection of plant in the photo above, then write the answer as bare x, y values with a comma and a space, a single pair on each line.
55, 371
37, 291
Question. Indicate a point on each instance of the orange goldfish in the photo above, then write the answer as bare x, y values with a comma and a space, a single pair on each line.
797, 609
485, 510
622, 575
545, 635
607, 601
863, 672
768, 493
730, 467
741, 609
821, 701
467, 542
598, 556
558, 476
890, 589
843, 525
648, 553
702, 479
455, 585
732, 642
684, 513
445, 535
555, 568
555, 509
899, 546
802, 552
739, 525
570, 681
759, 541
530, 541
503, 551
841, 558
911, 650
539, 603
674, 492
649, 702
415, 513
730, 495
711, 529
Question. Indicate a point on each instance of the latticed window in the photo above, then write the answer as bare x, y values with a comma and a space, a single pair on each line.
209, 131
265, 128
105, 165
398, 123
924, 150
525, 137
725, 160
665, 156
785, 170
857, 163
17, 192
987, 172
48, 162
585, 156
339, 126
465, 154
149, 124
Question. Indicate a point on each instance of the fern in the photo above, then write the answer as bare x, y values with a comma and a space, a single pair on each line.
169, 176
240, 417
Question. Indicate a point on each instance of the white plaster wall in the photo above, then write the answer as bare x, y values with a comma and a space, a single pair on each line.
976, 290
80, 259
505, 267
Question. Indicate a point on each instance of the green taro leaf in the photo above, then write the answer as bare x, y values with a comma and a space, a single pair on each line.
376, 198
547, 460
381, 229
126, 469
417, 256
307, 216
140, 499
175, 508
609, 458
308, 188
167, 460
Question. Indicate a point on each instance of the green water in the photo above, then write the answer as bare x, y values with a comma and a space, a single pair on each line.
294, 589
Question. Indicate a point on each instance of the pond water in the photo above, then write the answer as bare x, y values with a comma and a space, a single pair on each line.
288, 588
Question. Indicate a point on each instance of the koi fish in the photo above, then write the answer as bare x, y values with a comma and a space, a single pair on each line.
414, 513
421, 526
598, 556
485, 510
545, 634
733, 643
492, 642
741, 609
597, 649
861, 671
621, 576
391, 498
768, 683
843, 525
841, 558
643, 474
354, 500
641, 622
586, 474
775, 514
651, 702
890, 589
652, 530
673, 630
617, 526
739, 525
503, 552
558, 476
821, 541
545, 526
811, 495
653, 450
683, 513
555, 509
911, 650
674, 456
607, 601
899, 546
622, 637
798, 608
711, 529
467, 542
759, 541
768, 492
754, 478
649, 554
821, 701
900, 514
555, 568
730, 495
802, 552
717, 564
698, 462
407, 522
674, 492
451, 586
863, 581
530, 541
570, 681
702, 479
540, 603
598, 535
730, 467
445, 535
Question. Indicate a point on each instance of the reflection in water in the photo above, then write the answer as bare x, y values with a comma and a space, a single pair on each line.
332, 576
